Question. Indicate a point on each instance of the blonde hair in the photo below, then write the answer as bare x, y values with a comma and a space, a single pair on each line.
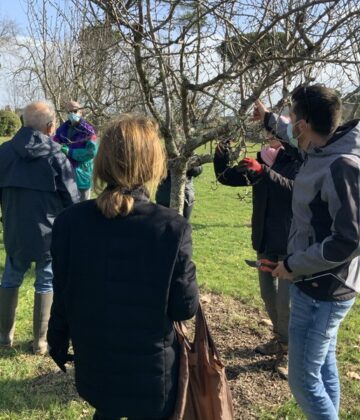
130, 156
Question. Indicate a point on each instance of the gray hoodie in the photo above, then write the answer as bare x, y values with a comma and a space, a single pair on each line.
324, 239
36, 184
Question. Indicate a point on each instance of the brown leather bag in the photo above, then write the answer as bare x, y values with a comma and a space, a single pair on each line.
203, 390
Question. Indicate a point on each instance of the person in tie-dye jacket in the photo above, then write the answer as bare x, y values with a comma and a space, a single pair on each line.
79, 143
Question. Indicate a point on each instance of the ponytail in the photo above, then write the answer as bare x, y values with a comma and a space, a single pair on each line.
113, 202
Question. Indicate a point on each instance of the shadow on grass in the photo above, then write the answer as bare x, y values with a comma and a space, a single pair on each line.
41, 392
239, 353
236, 370
200, 226
19, 347
245, 360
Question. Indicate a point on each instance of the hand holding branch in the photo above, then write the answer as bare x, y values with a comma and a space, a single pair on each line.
259, 111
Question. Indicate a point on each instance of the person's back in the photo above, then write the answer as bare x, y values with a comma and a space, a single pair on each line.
36, 184
120, 303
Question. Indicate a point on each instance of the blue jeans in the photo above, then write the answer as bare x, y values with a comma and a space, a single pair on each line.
14, 273
313, 374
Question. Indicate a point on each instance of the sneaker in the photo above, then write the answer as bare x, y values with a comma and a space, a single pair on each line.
269, 348
281, 364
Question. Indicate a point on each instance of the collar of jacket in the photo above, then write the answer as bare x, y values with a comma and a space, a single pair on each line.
346, 140
31, 144
141, 195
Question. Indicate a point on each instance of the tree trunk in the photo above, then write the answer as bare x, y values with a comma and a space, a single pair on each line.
178, 180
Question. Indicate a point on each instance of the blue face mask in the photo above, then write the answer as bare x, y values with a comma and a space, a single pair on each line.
73, 118
292, 140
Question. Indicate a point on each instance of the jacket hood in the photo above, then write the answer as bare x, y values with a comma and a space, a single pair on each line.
31, 144
346, 140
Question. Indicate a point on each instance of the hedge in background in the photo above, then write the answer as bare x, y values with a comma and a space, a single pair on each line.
9, 123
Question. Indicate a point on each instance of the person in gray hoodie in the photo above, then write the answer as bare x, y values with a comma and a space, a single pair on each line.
323, 261
36, 184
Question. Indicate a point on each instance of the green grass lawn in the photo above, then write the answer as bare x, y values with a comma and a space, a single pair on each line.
31, 389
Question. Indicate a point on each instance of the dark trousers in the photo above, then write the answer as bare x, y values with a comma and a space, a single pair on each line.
99, 416
275, 294
187, 211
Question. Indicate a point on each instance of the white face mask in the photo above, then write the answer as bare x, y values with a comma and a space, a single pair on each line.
73, 117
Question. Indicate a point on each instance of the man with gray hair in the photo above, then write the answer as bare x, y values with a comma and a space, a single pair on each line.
36, 184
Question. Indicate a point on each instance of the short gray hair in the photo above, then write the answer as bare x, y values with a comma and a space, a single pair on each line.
71, 105
38, 115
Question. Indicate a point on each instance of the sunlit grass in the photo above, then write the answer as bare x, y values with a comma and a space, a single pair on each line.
31, 386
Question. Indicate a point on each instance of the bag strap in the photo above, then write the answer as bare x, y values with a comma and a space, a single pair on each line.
181, 332
202, 333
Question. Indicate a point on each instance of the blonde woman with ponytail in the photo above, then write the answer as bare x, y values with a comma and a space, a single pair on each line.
122, 274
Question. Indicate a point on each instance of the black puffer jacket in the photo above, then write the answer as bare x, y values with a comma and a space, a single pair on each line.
272, 194
119, 283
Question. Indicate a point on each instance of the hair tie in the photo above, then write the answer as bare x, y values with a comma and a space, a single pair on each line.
121, 190
124, 190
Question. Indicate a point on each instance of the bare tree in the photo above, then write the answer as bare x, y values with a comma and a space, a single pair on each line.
351, 99
200, 65
67, 54
8, 30
195, 66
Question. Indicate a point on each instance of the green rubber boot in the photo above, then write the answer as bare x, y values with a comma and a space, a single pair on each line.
42, 307
8, 304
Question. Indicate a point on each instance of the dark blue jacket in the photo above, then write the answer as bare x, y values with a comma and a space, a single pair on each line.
36, 184
118, 307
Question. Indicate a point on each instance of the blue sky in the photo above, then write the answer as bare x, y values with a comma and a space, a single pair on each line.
14, 10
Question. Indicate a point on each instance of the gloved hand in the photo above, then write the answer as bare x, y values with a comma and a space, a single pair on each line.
251, 165
60, 357
65, 149
222, 148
